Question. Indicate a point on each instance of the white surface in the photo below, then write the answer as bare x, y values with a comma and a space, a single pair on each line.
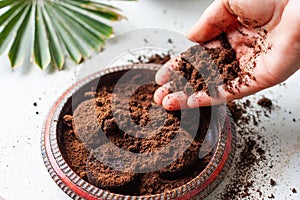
22, 172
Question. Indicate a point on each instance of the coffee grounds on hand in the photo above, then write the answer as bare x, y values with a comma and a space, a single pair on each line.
203, 69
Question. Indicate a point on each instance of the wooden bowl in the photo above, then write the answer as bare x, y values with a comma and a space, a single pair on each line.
77, 188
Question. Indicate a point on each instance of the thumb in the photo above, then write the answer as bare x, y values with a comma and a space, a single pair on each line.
252, 13
215, 19
222, 13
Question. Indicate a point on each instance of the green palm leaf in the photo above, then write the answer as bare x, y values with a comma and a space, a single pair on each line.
52, 29
19, 48
41, 48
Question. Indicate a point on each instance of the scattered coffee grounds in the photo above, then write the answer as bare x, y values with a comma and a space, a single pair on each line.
272, 182
203, 69
156, 59
135, 125
265, 102
251, 153
159, 59
294, 190
271, 196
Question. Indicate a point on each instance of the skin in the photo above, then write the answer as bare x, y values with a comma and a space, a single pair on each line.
280, 18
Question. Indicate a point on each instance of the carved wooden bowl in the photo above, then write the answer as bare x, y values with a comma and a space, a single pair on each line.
77, 188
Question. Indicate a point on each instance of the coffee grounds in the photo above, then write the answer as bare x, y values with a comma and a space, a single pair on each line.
89, 119
271, 196
156, 58
106, 178
265, 102
84, 140
75, 151
203, 69
272, 182
294, 190
252, 154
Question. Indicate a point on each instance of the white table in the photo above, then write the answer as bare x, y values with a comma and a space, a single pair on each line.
22, 172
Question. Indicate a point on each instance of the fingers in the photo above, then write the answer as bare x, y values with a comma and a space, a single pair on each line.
175, 101
241, 87
172, 101
162, 76
201, 99
161, 92
215, 19
263, 78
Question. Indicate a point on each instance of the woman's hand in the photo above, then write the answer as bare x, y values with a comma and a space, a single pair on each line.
244, 21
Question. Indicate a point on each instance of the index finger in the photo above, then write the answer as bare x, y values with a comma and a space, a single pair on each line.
162, 76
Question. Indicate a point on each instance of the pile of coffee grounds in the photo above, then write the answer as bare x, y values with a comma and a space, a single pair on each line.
203, 69
135, 125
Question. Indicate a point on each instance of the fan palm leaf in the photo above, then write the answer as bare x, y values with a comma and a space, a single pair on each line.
53, 29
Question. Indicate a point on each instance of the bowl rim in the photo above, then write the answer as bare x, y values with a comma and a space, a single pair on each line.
75, 187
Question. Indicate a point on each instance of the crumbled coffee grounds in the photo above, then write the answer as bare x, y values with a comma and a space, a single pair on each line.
90, 120
156, 59
68, 120
271, 196
75, 151
134, 125
106, 178
251, 153
203, 69
265, 102
159, 59
294, 190
272, 182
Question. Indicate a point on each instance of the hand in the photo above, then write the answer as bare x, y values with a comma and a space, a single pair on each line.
279, 18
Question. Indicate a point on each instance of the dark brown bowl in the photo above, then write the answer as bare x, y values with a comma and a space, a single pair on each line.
77, 188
